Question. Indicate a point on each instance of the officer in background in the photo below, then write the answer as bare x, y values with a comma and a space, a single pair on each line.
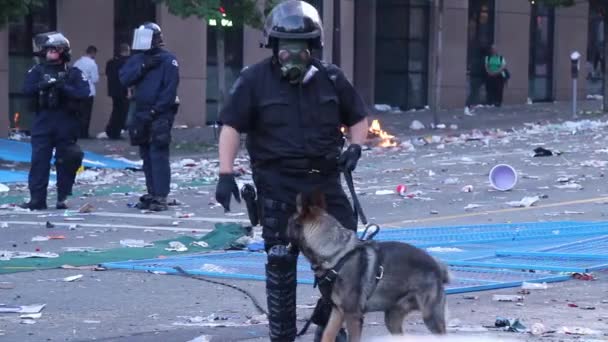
155, 76
59, 90
292, 107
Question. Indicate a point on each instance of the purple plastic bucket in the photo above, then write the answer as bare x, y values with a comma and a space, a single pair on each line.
503, 177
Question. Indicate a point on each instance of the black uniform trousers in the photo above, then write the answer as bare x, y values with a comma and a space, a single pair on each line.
118, 118
277, 190
85, 116
155, 155
494, 89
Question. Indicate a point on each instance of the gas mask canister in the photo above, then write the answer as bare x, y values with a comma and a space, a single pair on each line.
294, 57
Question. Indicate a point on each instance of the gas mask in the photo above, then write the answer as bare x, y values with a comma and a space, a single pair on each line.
294, 57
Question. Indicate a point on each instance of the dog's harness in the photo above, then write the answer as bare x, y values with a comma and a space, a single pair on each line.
327, 280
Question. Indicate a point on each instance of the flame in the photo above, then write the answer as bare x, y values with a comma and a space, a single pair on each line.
387, 140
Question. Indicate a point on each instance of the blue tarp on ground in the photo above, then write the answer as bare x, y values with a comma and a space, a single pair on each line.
8, 176
17, 151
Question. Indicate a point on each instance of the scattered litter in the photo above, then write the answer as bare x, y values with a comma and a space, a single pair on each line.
583, 276
570, 186
384, 192
543, 152
595, 163
4, 188
8, 255
416, 125
28, 321
572, 305
202, 338
525, 202
49, 224
507, 298
450, 181
537, 329
216, 269
3, 225
135, 243
87, 321
471, 206
5, 285
200, 244
84, 268
23, 309
443, 249
176, 246
469, 297
467, 188
401, 189
72, 278
39, 238
73, 219
86, 208
534, 286
578, 331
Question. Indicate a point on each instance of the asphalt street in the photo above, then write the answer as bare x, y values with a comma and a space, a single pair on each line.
130, 306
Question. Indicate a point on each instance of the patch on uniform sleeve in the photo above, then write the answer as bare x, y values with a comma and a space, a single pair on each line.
174, 62
84, 76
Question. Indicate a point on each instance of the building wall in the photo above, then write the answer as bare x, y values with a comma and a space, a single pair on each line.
187, 39
347, 38
513, 21
4, 123
570, 35
78, 29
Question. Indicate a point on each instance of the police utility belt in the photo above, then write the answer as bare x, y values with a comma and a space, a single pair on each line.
300, 165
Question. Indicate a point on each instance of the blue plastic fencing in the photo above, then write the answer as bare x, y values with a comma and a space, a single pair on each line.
250, 266
17, 151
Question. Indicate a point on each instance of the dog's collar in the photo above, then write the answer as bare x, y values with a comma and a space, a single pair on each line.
327, 280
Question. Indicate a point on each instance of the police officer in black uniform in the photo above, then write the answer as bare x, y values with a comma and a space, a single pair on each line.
291, 106
58, 89
154, 74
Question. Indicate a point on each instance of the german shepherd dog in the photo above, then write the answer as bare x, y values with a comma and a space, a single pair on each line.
391, 277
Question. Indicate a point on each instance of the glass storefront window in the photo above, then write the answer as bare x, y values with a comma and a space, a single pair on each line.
480, 39
21, 32
401, 54
542, 24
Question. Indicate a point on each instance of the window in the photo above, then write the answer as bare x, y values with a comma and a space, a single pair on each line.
129, 14
233, 55
595, 47
402, 47
541, 53
480, 39
41, 19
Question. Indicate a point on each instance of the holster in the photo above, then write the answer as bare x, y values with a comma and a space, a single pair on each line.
249, 196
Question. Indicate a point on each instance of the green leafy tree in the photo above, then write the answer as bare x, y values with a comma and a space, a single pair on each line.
597, 5
224, 15
14, 9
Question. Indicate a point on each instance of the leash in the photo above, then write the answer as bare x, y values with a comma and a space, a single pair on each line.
348, 176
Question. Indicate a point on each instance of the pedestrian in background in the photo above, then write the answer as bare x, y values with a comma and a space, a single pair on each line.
118, 93
89, 67
496, 69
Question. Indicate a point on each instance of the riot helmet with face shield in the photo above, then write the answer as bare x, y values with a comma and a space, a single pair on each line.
52, 46
147, 36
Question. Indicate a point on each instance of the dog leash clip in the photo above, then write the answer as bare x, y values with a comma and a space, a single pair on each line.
369, 236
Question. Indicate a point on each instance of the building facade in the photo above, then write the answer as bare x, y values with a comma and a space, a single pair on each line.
388, 48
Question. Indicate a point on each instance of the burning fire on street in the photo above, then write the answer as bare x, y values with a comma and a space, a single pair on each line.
383, 139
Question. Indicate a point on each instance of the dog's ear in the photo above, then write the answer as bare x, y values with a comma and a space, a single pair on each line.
310, 204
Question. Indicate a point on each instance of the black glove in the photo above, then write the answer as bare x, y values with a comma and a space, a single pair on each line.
349, 158
47, 83
225, 188
150, 62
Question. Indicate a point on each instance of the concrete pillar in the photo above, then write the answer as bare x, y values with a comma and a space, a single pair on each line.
85, 23
512, 39
252, 52
364, 48
347, 37
4, 114
453, 59
187, 39
328, 28
570, 35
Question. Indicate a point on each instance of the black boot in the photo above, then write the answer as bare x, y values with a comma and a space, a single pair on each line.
61, 205
159, 204
281, 294
33, 205
144, 202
